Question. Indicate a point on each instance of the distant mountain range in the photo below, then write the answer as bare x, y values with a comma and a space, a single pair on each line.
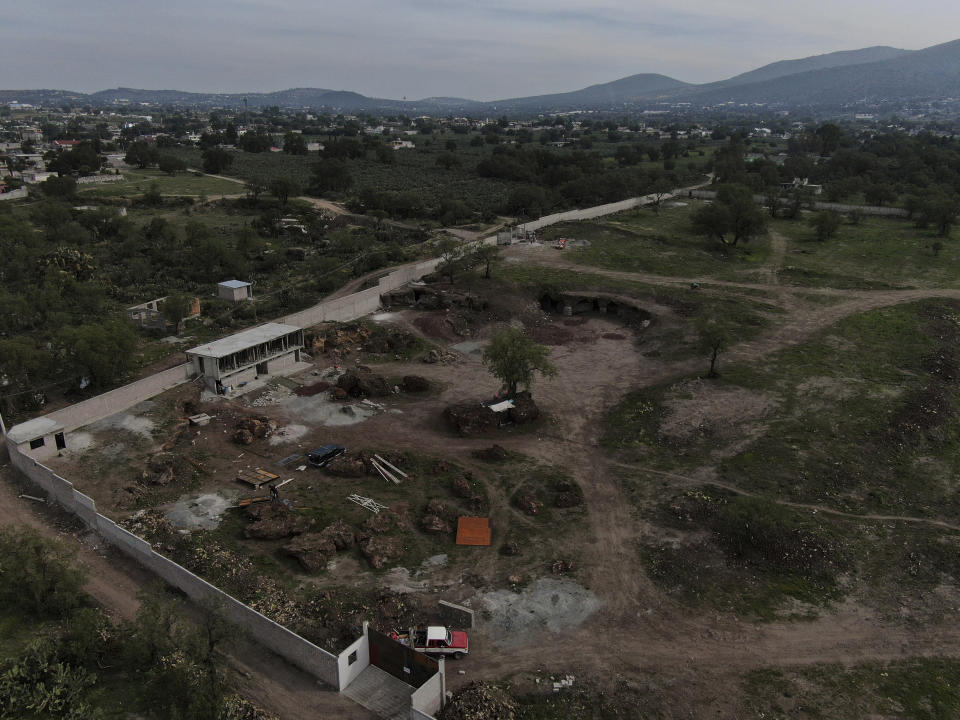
867, 76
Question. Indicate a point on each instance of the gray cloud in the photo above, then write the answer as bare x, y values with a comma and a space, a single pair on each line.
483, 49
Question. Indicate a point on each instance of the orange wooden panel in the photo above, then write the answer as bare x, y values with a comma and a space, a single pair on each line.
473, 531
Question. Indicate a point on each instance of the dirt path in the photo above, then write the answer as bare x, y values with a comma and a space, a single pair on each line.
115, 582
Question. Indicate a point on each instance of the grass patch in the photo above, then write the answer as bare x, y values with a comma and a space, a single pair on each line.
662, 243
137, 182
916, 688
878, 252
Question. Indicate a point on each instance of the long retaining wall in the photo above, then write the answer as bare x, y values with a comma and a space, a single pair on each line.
314, 660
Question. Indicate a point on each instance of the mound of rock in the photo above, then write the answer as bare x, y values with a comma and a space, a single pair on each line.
462, 488
471, 418
382, 522
528, 503
273, 521
313, 550
568, 499
379, 549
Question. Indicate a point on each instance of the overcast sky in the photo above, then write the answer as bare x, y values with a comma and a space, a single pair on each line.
479, 49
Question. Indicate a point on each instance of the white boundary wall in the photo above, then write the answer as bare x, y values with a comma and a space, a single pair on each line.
314, 660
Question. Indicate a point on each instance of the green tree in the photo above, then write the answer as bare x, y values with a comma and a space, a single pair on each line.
941, 211
101, 351
294, 144
487, 255
171, 164
216, 160
713, 337
732, 217
513, 357
142, 154
826, 224
282, 188
175, 308
330, 176
40, 576
451, 256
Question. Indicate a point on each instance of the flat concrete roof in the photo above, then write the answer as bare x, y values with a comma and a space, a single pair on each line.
33, 429
243, 340
235, 284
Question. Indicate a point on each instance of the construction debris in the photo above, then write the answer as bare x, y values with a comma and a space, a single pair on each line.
200, 420
256, 478
397, 470
480, 701
564, 682
369, 503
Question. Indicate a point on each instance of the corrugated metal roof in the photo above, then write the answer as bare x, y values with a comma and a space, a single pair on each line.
235, 284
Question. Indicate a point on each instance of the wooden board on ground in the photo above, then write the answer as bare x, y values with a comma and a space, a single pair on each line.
473, 531
256, 478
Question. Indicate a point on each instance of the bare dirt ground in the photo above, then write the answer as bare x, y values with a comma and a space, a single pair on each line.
637, 632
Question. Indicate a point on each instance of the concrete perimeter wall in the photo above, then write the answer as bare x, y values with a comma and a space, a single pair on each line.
17, 194
427, 699
101, 406
288, 645
816, 205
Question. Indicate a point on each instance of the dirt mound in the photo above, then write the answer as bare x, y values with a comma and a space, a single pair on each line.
613, 336
524, 409
382, 522
415, 384
470, 418
479, 701
494, 453
273, 521
435, 525
361, 383
439, 356
435, 325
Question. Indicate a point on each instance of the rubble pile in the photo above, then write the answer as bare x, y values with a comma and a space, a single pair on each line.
312, 550
348, 466
159, 470
479, 701
562, 567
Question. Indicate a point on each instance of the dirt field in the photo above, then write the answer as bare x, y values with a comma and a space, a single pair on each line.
602, 619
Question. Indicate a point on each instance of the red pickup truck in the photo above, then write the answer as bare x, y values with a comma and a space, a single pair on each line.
437, 640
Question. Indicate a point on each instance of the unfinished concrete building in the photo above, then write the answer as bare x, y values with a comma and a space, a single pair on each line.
233, 361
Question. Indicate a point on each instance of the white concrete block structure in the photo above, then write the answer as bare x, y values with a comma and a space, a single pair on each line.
253, 353
235, 290
39, 438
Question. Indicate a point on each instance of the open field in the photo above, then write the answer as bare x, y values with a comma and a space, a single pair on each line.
184, 184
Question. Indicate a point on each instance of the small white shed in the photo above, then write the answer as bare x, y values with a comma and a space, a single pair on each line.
235, 290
